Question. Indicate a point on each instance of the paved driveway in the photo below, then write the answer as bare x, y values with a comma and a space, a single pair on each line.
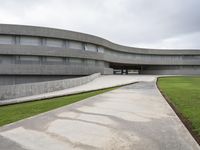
134, 117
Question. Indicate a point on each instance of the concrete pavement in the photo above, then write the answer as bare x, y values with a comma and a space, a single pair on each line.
134, 117
104, 81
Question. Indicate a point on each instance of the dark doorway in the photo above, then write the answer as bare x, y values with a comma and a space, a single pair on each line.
125, 68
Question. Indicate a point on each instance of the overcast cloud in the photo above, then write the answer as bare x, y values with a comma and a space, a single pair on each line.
139, 23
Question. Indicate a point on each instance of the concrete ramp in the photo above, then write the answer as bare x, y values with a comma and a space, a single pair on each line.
134, 117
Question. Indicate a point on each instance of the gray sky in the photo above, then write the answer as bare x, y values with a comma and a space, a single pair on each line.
139, 23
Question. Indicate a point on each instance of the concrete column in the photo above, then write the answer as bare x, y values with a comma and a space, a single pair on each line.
126, 71
83, 46
121, 71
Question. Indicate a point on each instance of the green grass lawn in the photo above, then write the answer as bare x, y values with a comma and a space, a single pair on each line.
15, 112
184, 94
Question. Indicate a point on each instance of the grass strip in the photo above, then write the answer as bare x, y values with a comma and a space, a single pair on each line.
15, 112
183, 94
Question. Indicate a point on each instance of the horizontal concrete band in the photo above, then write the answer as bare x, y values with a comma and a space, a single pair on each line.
47, 51
106, 56
29, 89
172, 72
70, 35
36, 69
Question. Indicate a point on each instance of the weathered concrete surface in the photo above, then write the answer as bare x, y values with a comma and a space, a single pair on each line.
135, 117
96, 83
30, 89
29, 50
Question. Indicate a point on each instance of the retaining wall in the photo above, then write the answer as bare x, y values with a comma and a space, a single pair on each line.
29, 89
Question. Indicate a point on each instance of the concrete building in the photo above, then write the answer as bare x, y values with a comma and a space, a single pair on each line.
32, 54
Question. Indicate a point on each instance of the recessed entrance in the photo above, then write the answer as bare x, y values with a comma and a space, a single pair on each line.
125, 68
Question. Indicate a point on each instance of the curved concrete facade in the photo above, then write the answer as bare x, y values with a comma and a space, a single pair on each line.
38, 52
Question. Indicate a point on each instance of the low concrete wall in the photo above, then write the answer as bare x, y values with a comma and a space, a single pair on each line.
22, 90
178, 71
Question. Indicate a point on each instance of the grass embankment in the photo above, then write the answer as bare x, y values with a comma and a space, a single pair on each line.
183, 93
15, 112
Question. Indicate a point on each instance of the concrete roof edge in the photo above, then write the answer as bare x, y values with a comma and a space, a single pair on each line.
29, 30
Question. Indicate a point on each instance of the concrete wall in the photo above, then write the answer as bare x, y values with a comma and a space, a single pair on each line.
33, 54
188, 71
21, 79
29, 89
171, 70
6, 29
27, 50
